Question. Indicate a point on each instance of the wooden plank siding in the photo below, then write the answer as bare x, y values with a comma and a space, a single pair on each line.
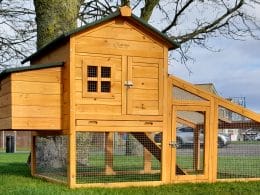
116, 42
5, 103
32, 100
102, 41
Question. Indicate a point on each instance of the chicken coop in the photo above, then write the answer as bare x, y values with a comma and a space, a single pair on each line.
103, 111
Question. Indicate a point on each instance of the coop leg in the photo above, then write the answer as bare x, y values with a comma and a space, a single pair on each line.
109, 153
147, 159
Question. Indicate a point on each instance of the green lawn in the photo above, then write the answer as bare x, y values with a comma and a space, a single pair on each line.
15, 179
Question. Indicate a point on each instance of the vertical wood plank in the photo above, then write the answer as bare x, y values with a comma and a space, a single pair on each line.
147, 159
109, 153
72, 131
166, 162
128, 90
124, 90
207, 144
214, 140
163, 77
173, 138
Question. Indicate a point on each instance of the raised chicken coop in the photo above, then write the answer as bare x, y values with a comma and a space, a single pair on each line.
103, 111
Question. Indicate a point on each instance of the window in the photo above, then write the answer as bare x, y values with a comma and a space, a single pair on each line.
97, 80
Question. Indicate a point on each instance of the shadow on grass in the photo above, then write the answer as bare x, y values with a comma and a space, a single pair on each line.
16, 169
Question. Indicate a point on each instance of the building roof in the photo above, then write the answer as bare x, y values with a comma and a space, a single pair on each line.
28, 68
65, 36
210, 87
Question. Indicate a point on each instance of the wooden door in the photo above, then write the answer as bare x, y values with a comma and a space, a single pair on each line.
144, 86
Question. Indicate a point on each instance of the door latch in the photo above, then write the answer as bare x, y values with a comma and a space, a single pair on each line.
173, 144
129, 84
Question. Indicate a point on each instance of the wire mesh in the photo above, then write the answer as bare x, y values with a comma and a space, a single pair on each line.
181, 94
238, 146
105, 86
51, 156
190, 141
107, 157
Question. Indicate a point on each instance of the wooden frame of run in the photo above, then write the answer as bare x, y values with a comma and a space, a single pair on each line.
213, 102
210, 106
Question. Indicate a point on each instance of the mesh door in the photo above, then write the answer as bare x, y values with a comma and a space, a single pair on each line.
190, 141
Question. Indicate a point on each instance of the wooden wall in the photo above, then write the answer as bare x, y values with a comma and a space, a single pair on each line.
5, 103
36, 99
121, 44
31, 100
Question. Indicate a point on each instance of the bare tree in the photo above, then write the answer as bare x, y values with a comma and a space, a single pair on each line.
187, 22
17, 31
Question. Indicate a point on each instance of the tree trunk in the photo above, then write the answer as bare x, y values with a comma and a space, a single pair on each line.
54, 17
148, 8
125, 2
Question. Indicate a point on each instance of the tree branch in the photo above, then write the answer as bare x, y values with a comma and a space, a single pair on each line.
177, 14
211, 27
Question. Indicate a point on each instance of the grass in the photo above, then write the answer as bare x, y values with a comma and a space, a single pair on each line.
239, 167
15, 179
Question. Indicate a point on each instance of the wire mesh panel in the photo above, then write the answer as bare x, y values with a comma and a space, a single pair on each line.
190, 141
51, 156
106, 157
238, 146
181, 94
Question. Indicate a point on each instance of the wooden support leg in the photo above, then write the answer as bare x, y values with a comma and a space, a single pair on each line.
109, 153
147, 159
33, 156
72, 160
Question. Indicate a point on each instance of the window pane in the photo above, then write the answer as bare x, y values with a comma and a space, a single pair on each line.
92, 86
105, 72
92, 71
105, 86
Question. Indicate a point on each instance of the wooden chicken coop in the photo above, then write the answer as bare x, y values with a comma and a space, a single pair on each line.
104, 111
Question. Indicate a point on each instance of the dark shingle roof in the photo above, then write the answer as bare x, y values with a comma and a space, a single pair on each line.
64, 37
28, 68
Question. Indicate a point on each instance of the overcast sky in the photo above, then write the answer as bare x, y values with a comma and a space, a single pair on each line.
235, 70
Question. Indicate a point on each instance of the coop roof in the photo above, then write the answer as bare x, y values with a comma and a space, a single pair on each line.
65, 36
28, 68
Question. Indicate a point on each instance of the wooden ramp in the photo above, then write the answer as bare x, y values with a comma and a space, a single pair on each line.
153, 148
